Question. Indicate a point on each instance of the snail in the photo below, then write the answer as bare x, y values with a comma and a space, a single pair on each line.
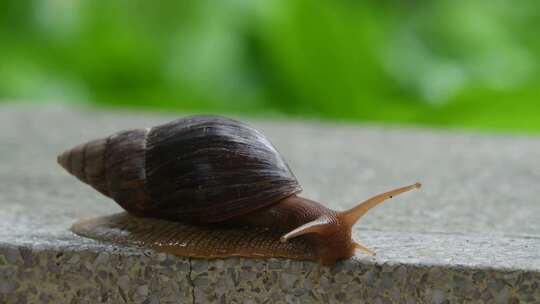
209, 187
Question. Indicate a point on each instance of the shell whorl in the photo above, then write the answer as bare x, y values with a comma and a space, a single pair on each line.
115, 166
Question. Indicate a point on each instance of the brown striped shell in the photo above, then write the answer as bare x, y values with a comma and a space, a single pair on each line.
198, 169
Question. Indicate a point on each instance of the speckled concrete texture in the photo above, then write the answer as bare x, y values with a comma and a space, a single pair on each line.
105, 276
471, 235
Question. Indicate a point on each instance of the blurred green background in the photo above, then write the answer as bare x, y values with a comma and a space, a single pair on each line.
452, 63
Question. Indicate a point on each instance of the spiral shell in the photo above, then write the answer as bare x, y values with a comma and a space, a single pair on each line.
199, 169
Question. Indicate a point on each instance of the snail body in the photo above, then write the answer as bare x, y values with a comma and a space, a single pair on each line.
204, 181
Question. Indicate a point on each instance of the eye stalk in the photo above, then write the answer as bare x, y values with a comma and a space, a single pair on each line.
323, 226
351, 216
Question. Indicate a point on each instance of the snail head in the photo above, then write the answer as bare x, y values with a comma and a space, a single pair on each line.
334, 231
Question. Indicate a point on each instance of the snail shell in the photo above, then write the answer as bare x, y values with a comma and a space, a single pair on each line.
200, 169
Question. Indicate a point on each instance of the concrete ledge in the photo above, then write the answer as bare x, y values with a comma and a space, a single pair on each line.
471, 235
97, 273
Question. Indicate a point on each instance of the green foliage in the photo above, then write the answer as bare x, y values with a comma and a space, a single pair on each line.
446, 63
